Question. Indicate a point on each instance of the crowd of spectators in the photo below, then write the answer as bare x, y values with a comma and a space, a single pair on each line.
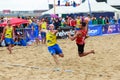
68, 21
72, 21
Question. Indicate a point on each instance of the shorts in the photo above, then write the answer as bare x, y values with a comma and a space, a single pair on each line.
77, 28
81, 48
55, 49
43, 35
36, 34
9, 41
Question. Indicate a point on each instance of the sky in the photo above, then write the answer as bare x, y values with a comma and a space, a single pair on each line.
24, 5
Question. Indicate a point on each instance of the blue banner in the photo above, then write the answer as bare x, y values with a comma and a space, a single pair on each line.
95, 30
28, 34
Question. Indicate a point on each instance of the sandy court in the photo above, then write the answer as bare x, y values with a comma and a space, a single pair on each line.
35, 63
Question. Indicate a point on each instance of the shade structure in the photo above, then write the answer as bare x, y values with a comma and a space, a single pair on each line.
95, 7
61, 10
14, 22
83, 8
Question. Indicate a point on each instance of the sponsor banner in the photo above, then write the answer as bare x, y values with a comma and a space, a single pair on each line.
95, 30
62, 32
28, 34
111, 29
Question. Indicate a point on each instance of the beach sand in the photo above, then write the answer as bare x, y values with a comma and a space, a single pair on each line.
35, 63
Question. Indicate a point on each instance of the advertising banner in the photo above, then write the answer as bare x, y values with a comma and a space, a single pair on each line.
62, 32
28, 34
111, 29
95, 30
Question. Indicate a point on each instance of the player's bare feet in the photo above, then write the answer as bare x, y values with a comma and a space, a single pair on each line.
92, 51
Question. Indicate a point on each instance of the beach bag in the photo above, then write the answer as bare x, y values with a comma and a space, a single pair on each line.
3, 43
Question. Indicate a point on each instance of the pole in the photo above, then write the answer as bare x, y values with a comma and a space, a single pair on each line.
89, 8
54, 7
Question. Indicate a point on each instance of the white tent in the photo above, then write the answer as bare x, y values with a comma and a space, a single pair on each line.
61, 10
83, 8
95, 7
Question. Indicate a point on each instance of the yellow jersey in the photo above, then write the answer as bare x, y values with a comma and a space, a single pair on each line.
8, 33
44, 25
78, 21
51, 39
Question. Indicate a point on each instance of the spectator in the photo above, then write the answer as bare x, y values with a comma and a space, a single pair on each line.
72, 22
78, 21
56, 24
103, 21
111, 21
43, 25
100, 20
107, 20
94, 21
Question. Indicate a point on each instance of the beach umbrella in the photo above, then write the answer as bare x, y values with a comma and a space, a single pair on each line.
14, 22
53, 16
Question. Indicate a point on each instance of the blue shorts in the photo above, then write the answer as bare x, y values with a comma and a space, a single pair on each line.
43, 35
55, 49
77, 28
9, 41
36, 34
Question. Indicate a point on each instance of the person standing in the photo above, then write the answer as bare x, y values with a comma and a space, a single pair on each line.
78, 21
80, 37
35, 30
8, 34
43, 26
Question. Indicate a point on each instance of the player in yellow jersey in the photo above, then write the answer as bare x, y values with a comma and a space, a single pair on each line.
78, 21
43, 25
8, 33
51, 41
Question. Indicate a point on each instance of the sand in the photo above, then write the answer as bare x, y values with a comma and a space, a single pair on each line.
35, 63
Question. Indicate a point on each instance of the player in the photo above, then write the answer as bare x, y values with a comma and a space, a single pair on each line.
80, 37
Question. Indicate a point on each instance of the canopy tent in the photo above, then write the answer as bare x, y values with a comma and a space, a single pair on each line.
83, 8
95, 7
61, 10
14, 22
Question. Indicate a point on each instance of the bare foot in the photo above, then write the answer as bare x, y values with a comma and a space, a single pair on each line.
10, 52
92, 51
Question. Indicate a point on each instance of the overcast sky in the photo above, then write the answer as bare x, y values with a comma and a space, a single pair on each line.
35, 4
26, 4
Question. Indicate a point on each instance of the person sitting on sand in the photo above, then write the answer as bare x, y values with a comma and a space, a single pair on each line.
80, 37
51, 41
